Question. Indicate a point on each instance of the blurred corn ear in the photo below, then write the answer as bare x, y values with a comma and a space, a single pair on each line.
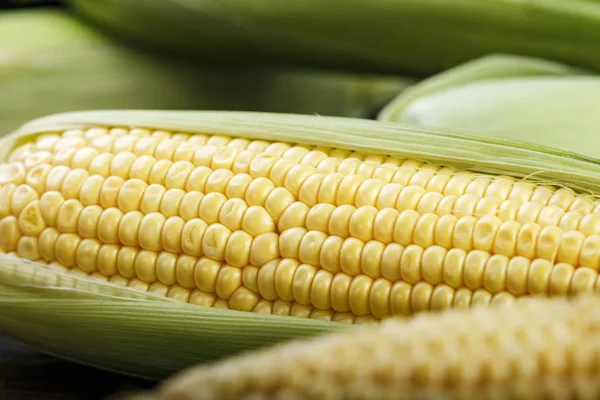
508, 97
380, 35
51, 62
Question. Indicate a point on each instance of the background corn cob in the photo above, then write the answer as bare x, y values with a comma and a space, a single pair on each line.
391, 36
52, 62
239, 217
508, 97
536, 349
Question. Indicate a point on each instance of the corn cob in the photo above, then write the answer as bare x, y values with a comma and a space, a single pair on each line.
433, 35
273, 227
51, 62
509, 97
538, 349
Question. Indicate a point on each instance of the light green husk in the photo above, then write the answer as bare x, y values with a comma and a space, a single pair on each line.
416, 36
51, 62
514, 98
117, 328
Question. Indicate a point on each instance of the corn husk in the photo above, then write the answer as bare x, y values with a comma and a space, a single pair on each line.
51, 62
413, 36
101, 324
512, 98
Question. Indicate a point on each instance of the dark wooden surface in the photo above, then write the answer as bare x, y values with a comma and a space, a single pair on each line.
29, 375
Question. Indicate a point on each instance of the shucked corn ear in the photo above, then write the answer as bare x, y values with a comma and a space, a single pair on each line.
538, 349
508, 97
336, 219
51, 62
378, 35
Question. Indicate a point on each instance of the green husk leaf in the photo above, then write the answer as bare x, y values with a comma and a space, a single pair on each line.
51, 62
512, 98
414, 36
460, 150
120, 329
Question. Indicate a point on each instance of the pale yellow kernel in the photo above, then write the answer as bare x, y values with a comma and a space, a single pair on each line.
442, 298
548, 242
583, 280
484, 234
340, 153
508, 210
323, 315
454, 264
109, 193
391, 261
171, 234
529, 212
590, 224
159, 289
64, 157
423, 175
242, 144
538, 279
409, 198
296, 153
145, 266
69, 141
265, 248
405, 227
300, 310
55, 178
149, 235
237, 186
68, 216
505, 242
214, 241
410, 264
237, 252
179, 293
257, 220
31, 222
329, 188
210, 207
550, 216
50, 204
201, 298
159, 171
218, 140
527, 240
330, 254
165, 268
87, 255
130, 195
232, 213
197, 179
474, 267
121, 164
73, 183
137, 284
190, 204
339, 220
302, 283
244, 160
243, 299
281, 307
178, 175
388, 196
502, 299
20, 153
583, 204
46, 243
371, 258
266, 280
28, 248
494, 276
109, 260
319, 216
126, 261
590, 252
293, 216
206, 272
280, 170
432, 264
65, 247
349, 166
46, 141
488, 206
517, 275
124, 142
429, 202
36, 178
500, 187
165, 149
444, 230
296, 177
129, 227
379, 299
310, 247
406, 171
481, 298
284, 278
258, 191
261, 165
462, 298
570, 221
321, 290
228, 280
89, 194
478, 186
192, 235
250, 278
570, 247
521, 192
458, 184
465, 205
204, 154
368, 192
362, 221
542, 194
315, 156
181, 137
100, 165
420, 298
340, 292
360, 294
185, 271
309, 191
185, 151
383, 229
425, 230
146, 146
118, 280
464, 232
99, 276
21, 197
14, 173
171, 202
218, 180
108, 225
350, 256
141, 168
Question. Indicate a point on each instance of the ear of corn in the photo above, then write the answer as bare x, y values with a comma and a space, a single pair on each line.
51, 62
324, 218
381, 35
511, 98
534, 350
